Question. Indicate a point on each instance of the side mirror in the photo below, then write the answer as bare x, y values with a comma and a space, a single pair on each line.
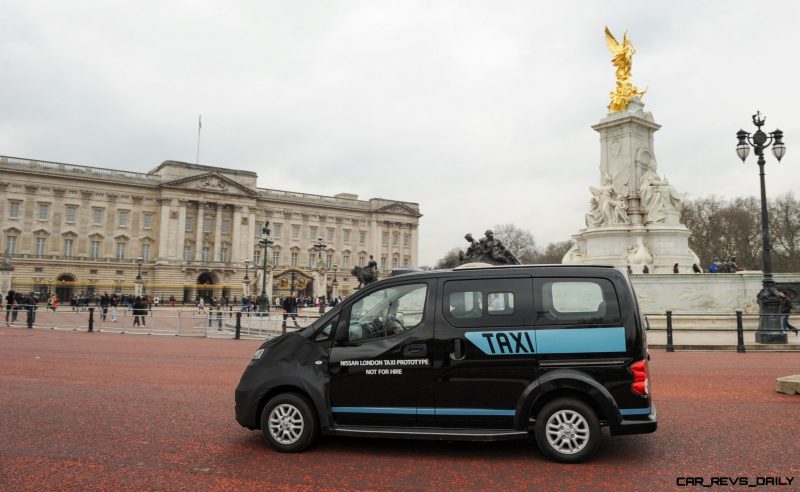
341, 336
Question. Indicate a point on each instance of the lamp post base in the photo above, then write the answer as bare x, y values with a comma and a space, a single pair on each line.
262, 305
770, 329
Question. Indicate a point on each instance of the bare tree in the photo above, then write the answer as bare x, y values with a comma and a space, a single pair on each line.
450, 260
553, 253
518, 241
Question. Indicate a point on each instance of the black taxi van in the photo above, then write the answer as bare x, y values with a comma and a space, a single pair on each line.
487, 353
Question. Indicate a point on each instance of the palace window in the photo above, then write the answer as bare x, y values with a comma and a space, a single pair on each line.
223, 255
187, 253
146, 251
44, 210
294, 259
13, 210
123, 218
362, 237
276, 231
207, 222
330, 235
11, 245
406, 239
346, 261
97, 216
121, 247
383, 263
329, 261
147, 220
312, 233
311, 257
385, 239
295, 232
95, 252
405, 261
362, 260
71, 213
41, 246
346, 235
68, 247
395, 239
226, 226
276, 259
189, 224
257, 259
204, 255
394, 262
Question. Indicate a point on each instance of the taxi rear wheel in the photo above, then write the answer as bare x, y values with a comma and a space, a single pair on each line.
567, 430
288, 423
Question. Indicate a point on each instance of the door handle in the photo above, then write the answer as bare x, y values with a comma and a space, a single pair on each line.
415, 349
458, 352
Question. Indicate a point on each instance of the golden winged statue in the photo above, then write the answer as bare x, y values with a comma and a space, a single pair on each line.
622, 56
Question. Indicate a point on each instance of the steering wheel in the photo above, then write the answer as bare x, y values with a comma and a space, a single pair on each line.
393, 325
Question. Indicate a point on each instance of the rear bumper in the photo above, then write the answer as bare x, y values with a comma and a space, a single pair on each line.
643, 424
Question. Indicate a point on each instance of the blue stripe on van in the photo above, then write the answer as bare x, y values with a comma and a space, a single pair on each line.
634, 411
424, 411
549, 341
580, 340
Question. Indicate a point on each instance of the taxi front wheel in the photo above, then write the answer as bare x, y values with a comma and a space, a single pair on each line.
288, 423
567, 430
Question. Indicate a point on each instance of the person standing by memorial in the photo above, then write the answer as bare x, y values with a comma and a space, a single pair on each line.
786, 310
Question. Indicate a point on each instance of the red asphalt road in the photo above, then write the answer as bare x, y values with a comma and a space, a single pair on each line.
89, 411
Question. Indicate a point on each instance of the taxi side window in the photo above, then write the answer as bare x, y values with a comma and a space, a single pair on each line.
326, 332
484, 302
387, 312
576, 302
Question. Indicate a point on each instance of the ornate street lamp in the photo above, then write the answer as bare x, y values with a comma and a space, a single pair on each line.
266, 242
335, 283
246, 280
320, 247
769, 323
139, 262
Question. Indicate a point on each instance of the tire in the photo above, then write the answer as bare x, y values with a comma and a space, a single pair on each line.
567, 430
288, 423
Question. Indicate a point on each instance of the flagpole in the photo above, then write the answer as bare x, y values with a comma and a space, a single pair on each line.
199, 126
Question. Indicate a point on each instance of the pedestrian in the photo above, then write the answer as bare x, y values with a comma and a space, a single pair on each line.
322, 304
630, 271
714, 266
30, 306
645, 269
786, 309
139, 311
113, 303
290, 309
172, 301
156, 300
105, 301
10, 299
201, 305
696, 269
675, 268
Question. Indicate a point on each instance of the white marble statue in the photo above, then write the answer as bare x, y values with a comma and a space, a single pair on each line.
608, 205
658, 198
639, 254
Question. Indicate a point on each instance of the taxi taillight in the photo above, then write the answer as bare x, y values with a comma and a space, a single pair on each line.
641, 383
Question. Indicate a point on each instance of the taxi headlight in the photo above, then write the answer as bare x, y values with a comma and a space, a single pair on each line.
258, 354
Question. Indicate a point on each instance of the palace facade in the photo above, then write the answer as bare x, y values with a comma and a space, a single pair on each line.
187, 230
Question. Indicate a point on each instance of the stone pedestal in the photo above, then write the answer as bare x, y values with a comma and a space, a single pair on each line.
634, 215
789, 385
320, 283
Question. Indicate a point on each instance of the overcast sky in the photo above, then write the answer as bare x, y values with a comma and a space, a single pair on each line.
480, 111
